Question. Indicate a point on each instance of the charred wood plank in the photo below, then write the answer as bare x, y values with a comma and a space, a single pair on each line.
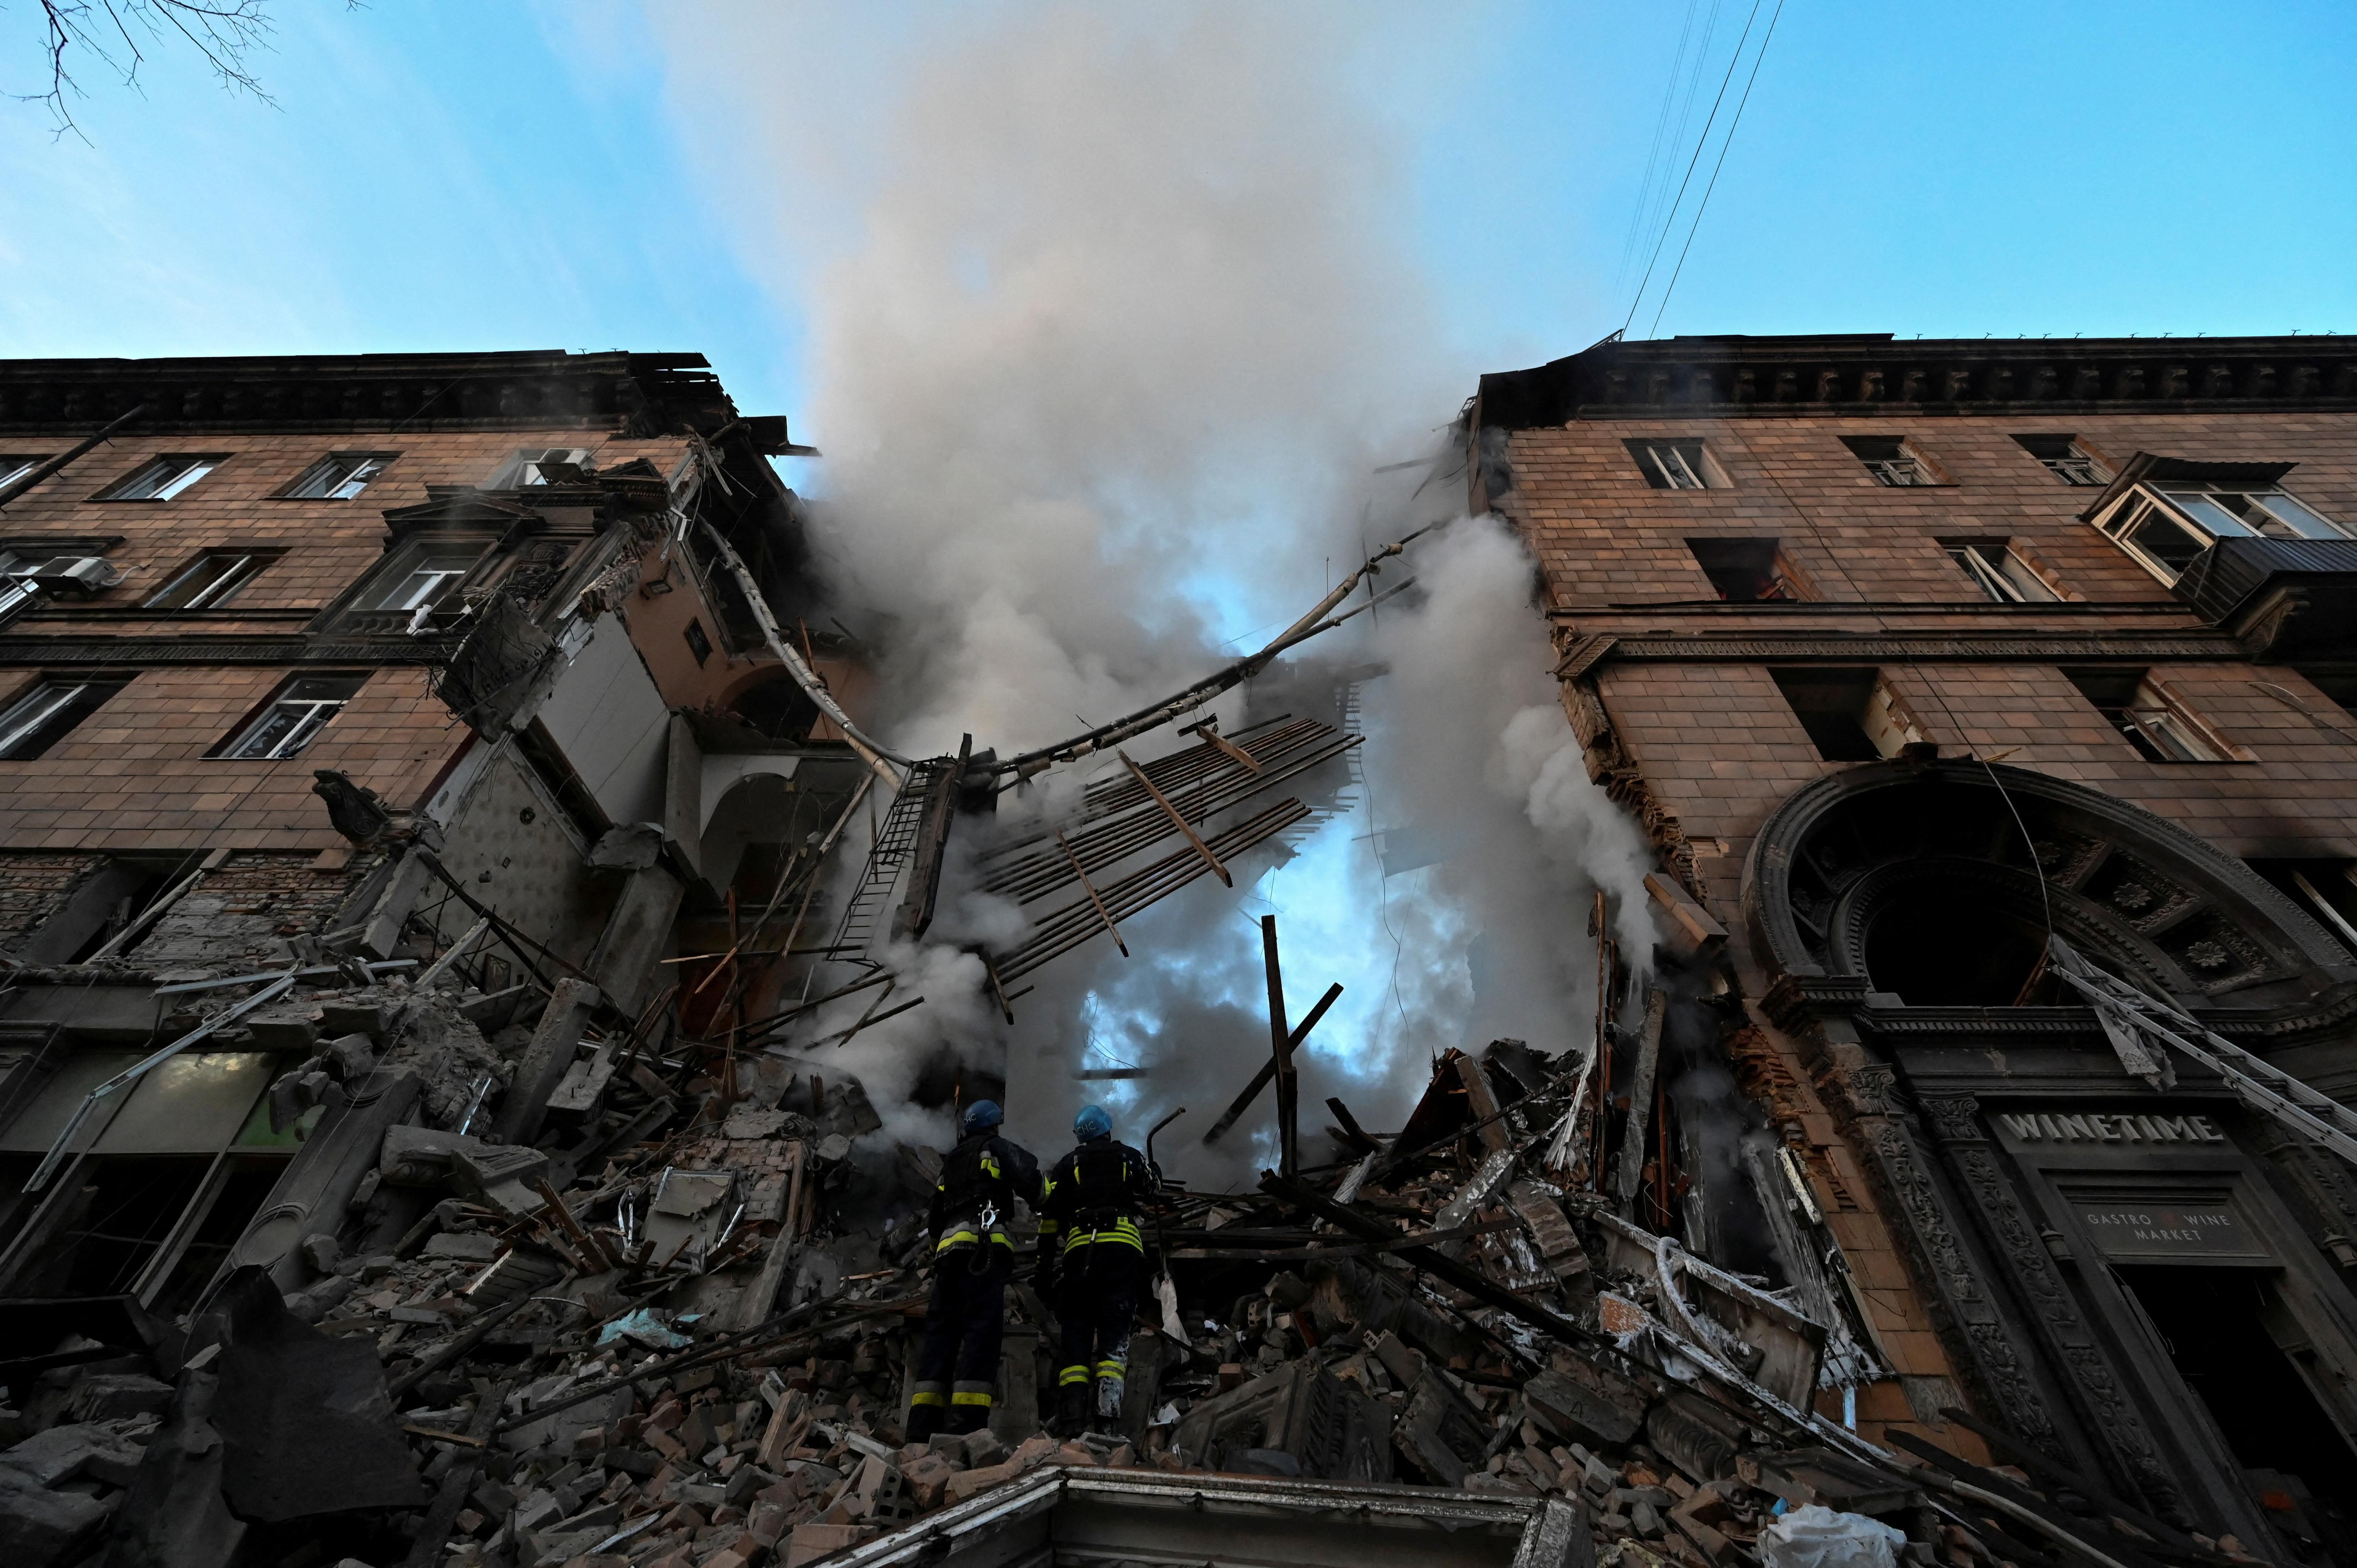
1267, 1069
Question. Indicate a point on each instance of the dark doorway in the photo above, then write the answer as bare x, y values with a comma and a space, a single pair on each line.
1943, 942
2212, 1321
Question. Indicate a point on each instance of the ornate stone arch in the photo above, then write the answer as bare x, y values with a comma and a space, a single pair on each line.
2134, 890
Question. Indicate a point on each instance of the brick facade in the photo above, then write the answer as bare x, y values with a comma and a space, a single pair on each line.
1673, 691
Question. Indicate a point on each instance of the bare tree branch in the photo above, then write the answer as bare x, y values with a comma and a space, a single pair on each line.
225, 32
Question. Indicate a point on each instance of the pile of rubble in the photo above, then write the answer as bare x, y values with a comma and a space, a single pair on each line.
573, 1295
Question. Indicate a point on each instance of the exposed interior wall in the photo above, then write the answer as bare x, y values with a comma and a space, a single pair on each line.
510, 845
610, 721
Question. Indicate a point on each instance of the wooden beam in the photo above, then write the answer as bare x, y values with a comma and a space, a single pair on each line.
1183, 825
1289, 1087
1228, 749
1268, 1068
1641, 1098
1089, 888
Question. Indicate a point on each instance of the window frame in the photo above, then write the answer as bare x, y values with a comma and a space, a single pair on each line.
1884, 471
195, 467
1774, 566
509, 475
1986, 562
2156, 723
359, 610
2165, 500
294, 491
1695, 469
306, 729
66, 690
246, 566
1870, 706
2075, 455
14, 465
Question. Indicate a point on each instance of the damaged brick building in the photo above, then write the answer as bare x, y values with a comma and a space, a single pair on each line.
424, 778
238, 623
1911, 655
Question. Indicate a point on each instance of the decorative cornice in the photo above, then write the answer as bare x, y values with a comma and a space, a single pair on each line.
537, 389
1872, 373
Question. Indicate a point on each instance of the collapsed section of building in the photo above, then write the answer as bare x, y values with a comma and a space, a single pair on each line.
441, 854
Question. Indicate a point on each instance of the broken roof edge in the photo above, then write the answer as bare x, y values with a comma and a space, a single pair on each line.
1724, 375
1544, 1532
494, 390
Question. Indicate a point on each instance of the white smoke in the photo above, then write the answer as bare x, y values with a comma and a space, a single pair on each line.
1111, 312
1477, 758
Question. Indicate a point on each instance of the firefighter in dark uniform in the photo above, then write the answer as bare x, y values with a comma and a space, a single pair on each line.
973, 1256
1089, 1236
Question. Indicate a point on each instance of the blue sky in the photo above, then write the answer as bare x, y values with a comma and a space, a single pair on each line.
440, 175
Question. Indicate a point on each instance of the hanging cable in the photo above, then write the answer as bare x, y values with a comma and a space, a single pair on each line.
1640, 215
1732, 126
1700, 142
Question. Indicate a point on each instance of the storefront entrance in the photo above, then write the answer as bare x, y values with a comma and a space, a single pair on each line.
2220, 1328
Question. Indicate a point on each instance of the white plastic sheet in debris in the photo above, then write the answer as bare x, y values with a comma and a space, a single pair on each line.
1817, 1537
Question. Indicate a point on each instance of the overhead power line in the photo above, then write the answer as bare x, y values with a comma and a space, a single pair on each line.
1669, 220
1732, 126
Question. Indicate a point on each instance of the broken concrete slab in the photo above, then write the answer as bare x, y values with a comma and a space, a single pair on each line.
63, 1454
42, 1529
305, 1421
546, 1061
173, 1514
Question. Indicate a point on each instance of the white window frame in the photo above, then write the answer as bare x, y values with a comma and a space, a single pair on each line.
434, 571
2192, 507
310, 714
339, 477
2168, 728
2077, 468
16, 466
1666, 457
171, 482
521, 471
24, 718
231, 571
2002, 575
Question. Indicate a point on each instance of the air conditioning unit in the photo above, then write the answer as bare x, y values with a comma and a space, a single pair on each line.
80, 575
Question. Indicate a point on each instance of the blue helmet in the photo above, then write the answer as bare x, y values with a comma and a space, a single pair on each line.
1093, 1123
982, 1116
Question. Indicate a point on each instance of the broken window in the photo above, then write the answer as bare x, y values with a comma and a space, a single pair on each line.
1996, 571
2163, 527
2066, 459
1680, 464
161, 478
542, 466
46, 715
1747, 571
2161, 728
1892, 461
339, 477
1852, 715
212, 580
292, 717
14, 465
419, 576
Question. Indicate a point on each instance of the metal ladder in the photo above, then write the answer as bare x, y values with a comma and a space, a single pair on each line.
2263, 1087
885, 859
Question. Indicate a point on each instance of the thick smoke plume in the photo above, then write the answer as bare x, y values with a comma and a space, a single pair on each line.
1113, 313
